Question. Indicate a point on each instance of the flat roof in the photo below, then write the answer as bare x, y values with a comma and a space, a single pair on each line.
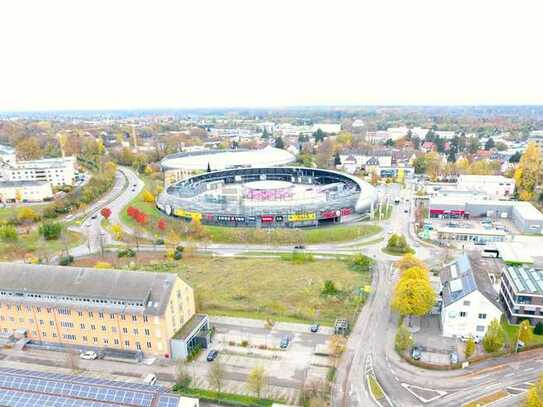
471, 231
526, 280
224, 159
27, 183
484, 178
528, 211
186, 330
151, 289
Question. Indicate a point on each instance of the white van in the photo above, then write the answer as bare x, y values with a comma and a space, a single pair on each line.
150, 379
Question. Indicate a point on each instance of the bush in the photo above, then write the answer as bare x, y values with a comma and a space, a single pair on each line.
50, 231
159, 242
66, 260
361, 263
403, 339
177, 255
102, 265
8, 233
50, 212
148, 197
128, 252
398, 245
329, 288
538, 330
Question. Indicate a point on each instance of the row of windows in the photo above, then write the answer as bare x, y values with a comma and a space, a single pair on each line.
464, 314
68, 298
90, 314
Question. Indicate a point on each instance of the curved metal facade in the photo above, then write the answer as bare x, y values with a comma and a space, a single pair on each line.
183, 198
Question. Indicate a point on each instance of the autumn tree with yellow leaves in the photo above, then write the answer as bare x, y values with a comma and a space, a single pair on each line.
413, 294
527, 174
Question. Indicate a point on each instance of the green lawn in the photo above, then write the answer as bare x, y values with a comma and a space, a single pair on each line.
36, 246
375, 388
511, 332
270, 288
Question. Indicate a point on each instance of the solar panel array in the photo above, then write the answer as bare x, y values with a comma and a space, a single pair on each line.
526, 280
24, 388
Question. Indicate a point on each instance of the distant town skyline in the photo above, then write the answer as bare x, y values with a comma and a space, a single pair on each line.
164, 54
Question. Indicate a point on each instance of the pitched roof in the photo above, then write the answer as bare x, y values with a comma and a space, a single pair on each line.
460, 278
148, 288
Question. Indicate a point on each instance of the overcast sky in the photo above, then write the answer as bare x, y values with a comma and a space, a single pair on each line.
116, 54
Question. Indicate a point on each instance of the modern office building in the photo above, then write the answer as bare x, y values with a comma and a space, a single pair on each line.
25, 191
87, 308
469, 300
521, 293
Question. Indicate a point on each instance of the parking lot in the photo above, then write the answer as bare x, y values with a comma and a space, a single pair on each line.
244, 344
435, 347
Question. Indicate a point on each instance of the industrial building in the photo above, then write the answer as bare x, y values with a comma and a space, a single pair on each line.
94, 309
492, 186
526, 217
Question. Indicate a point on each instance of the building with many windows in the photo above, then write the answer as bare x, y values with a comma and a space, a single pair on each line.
521, 293
56, 171
469, 302
87, 308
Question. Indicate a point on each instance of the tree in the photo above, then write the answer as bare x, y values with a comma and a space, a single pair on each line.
403, 340
50, 231
256, 380
329, 288
28, 149
525, 332
490, 144
337, 345
279, 143
410, 260
27, 214
413, 296
494, 338
415, 273
470, 347
319, 135
527, 174
534, 397
397, 244
337, 159
216, 375
117, 231
148, 197
538, 330
105, 212
182, 378
161, 225
515, 158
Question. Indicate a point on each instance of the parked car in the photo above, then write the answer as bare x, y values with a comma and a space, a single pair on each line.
453, 358
299, 247
94, 216
465, 338
314, 328
416, 353
90, 355
150, 379
285, 340
212, 355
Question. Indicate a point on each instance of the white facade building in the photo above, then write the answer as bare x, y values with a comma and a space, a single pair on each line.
493, 186
56, 171
7, 155
469, 301
25, 191
328, 128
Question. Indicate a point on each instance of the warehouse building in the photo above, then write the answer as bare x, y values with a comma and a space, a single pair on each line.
93, 309
493, 186
25, 191
526, 217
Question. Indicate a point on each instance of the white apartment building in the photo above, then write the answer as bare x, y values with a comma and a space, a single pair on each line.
25, 191
56, 171
493, 186
469, 301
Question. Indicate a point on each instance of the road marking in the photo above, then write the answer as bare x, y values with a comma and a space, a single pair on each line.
529, 368
509, 374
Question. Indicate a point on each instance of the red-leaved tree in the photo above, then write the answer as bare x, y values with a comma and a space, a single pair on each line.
161, 225
106, 212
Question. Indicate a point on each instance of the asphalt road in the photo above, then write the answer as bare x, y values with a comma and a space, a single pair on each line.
371, 349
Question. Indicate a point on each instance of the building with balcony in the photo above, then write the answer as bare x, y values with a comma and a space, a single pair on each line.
95, 309
521, 293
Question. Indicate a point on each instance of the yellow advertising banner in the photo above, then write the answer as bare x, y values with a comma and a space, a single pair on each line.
182, 213
302, 217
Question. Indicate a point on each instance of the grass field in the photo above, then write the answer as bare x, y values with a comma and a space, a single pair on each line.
33, 244
220, 234
6, 214
511, 331
261, 288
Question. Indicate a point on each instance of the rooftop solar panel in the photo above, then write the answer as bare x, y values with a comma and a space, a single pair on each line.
24, 388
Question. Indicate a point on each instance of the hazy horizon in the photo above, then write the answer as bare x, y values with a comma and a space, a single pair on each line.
167, 55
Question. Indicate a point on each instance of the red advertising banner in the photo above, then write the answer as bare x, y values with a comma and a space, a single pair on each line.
266, 218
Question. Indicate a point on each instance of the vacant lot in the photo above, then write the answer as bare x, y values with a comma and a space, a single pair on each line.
32, 244
263, 287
